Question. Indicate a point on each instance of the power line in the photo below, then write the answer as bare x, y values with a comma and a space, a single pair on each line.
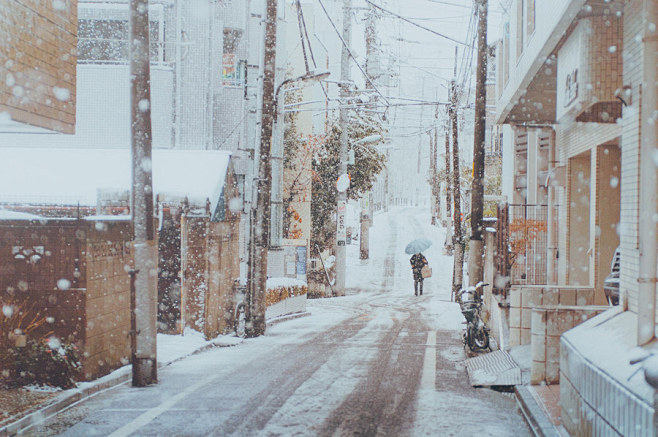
415, 24
350, 52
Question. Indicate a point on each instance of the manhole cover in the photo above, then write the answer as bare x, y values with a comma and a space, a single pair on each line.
493, 369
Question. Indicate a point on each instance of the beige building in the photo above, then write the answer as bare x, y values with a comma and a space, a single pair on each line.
578, 89
37, 65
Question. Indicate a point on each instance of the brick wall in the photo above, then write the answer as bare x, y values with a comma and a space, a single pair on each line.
39, 56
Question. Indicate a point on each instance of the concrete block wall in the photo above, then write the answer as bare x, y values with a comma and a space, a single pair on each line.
223, 270
524, 298
107, 342
548, 323
210, 264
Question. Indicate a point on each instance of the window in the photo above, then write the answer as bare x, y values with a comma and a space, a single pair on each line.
505, 56
519, 28
106, 41
233, 70
531, 17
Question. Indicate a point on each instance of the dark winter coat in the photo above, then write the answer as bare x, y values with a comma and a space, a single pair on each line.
417, 262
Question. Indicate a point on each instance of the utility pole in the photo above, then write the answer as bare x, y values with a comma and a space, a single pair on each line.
260, 234
448, 182
341, 204
144, 300
457, 236
435, 171
371, 55
476, 246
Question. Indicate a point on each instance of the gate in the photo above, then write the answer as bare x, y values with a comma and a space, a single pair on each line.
528, 226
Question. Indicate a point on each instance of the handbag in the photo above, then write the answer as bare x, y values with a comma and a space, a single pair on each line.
426, 272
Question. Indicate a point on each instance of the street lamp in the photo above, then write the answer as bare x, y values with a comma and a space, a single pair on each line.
276, 230
259, 233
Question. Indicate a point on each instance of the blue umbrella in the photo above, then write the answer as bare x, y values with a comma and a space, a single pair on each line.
417, 246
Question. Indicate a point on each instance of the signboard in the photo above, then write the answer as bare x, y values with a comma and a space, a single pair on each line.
343, 182
301, 260
341, 228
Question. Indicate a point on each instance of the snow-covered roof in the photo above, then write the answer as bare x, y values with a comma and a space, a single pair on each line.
6, 214
71, 176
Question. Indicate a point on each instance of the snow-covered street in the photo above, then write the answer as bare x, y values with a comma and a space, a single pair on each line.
379, 361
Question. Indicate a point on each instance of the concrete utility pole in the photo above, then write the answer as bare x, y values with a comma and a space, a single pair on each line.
475, 263
341, 204
144, 300
257, 275
457, 236
371, 55
435, 170
448, 180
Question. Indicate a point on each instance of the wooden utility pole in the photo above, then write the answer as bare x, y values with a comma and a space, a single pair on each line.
260, 234
476, 246
457, 243
144, 300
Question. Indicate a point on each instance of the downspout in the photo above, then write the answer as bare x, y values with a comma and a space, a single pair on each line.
647, 201
179, 72
551, 268
210, 106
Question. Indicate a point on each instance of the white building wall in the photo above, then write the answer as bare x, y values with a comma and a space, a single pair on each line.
630, 159
552, 20
103, 110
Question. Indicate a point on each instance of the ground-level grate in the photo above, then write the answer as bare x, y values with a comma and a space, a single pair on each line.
493, 369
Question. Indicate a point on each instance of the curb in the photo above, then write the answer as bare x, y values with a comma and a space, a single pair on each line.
72, 396
537, 420
277, 320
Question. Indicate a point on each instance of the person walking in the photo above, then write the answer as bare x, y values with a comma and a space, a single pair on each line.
418, 261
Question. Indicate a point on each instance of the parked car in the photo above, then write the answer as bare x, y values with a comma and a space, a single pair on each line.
611, 282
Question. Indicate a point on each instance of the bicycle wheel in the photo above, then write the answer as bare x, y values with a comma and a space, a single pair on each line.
239, 320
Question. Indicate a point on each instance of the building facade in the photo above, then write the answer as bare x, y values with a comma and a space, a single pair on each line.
37, 63
578, 90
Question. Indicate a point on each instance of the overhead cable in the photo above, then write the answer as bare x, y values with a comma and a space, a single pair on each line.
415, 24
350, 52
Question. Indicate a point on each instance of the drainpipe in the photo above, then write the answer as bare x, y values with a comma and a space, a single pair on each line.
551, 267
210, 104
179, 72
648, 179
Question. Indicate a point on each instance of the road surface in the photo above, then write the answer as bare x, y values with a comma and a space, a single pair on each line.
377, 362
